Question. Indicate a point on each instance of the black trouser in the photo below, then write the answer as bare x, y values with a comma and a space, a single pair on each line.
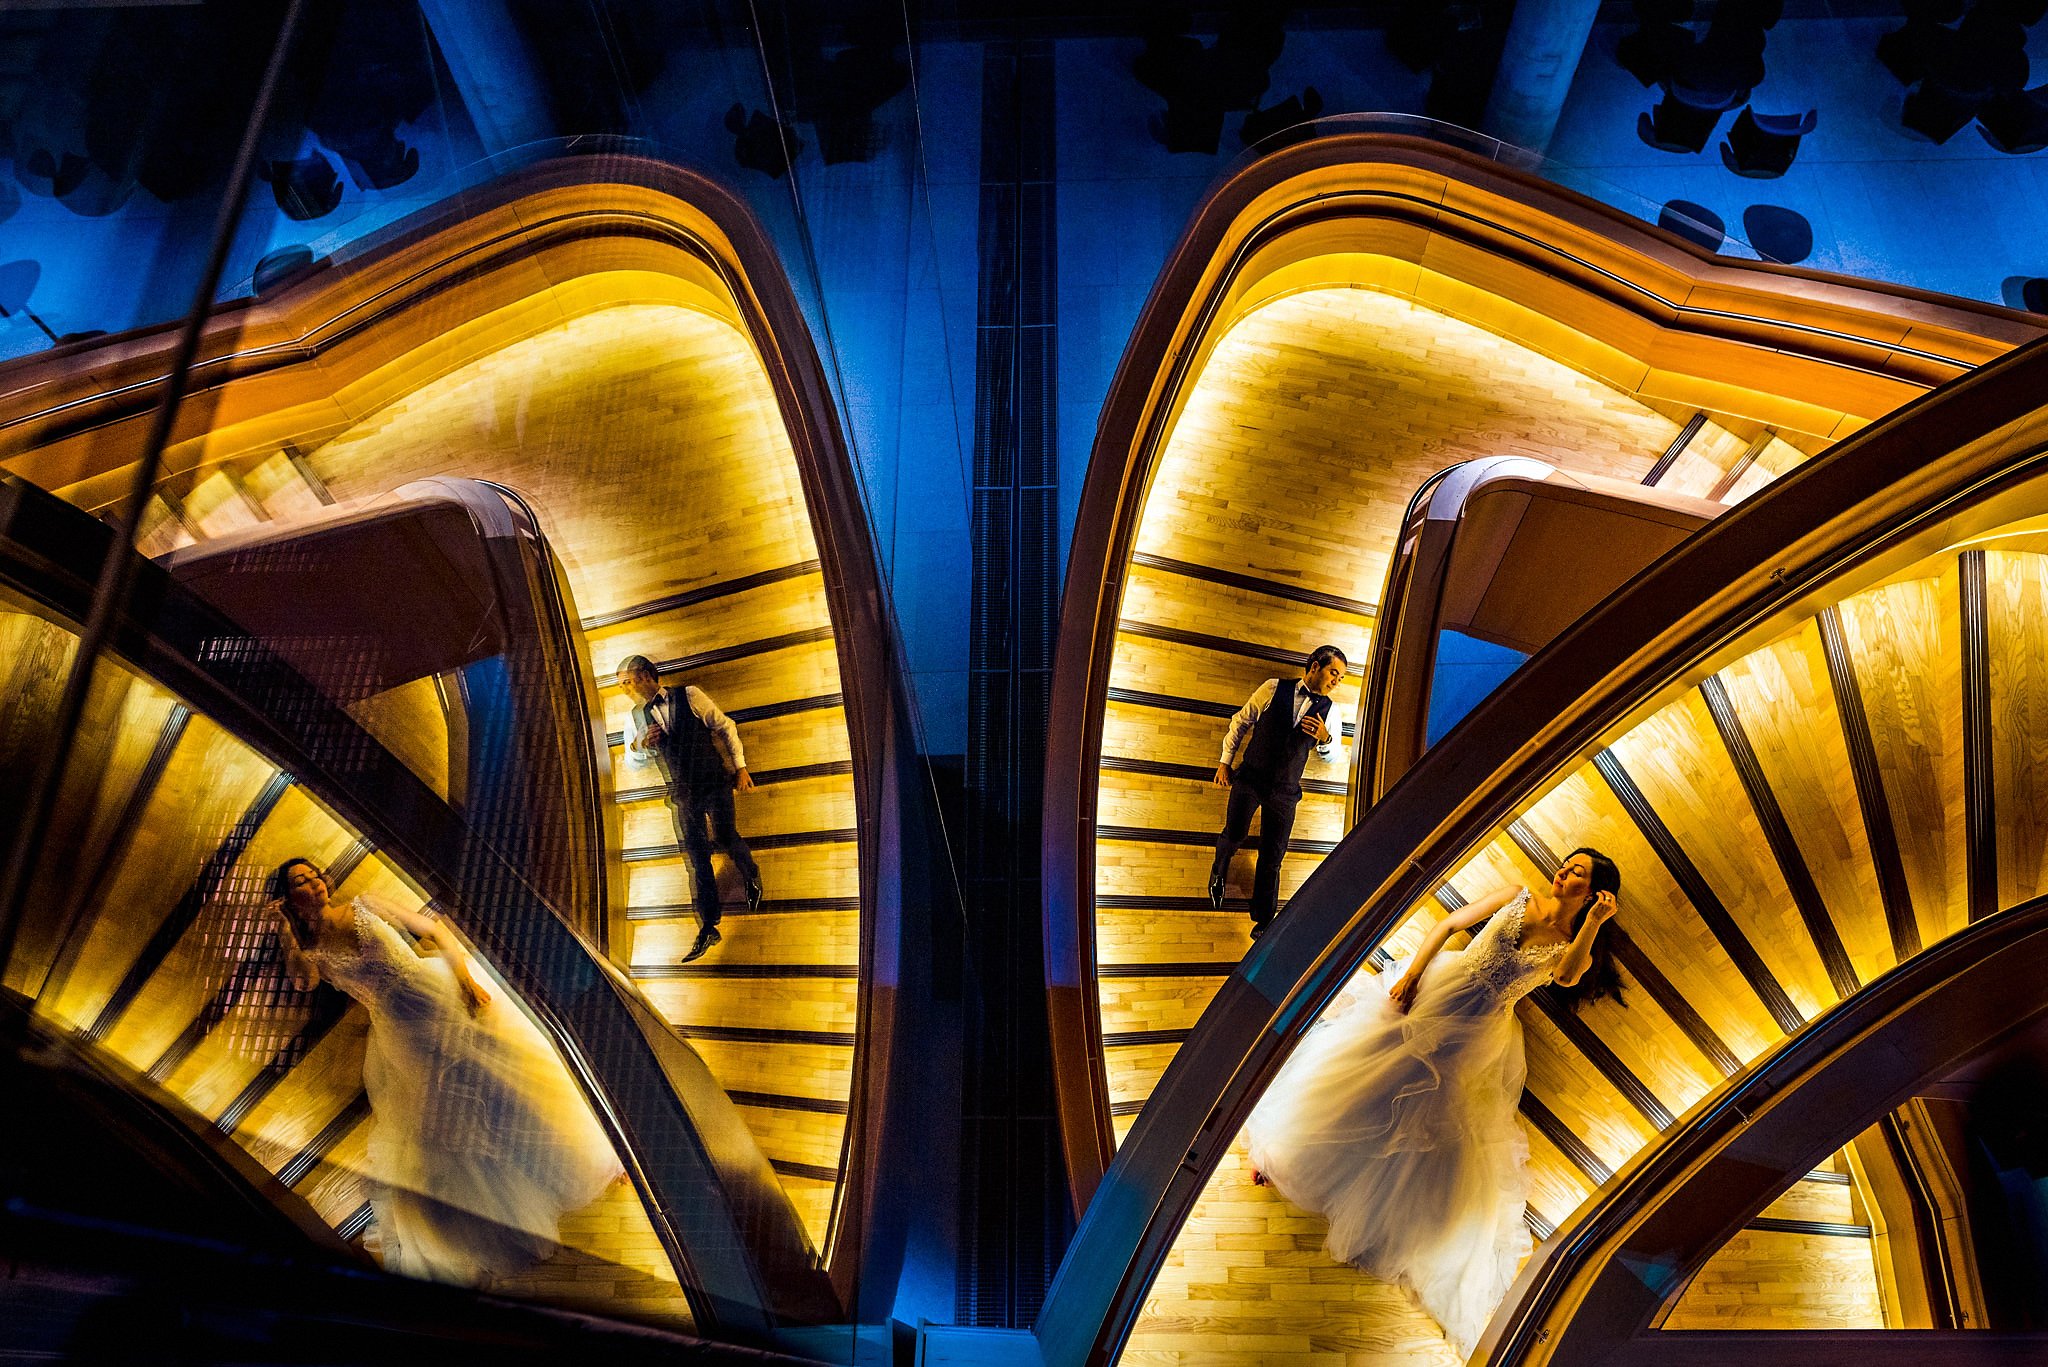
1275, 824
693, 812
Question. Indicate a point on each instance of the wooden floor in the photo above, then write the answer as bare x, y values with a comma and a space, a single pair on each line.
649, 444
1787, 831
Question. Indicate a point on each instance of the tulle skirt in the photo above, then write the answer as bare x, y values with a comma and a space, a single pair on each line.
1400, 1131
480, 1140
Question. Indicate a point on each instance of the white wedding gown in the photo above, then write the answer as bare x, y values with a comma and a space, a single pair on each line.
1400, 1130
480, 1140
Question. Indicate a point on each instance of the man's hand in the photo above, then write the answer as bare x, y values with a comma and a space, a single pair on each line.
1222, 779
1312, 726
649, 738
743, 782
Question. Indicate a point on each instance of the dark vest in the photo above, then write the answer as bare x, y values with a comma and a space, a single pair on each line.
688, 754
1279, 749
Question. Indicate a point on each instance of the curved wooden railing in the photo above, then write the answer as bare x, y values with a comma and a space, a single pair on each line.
1579, 281
525, 251
1951, 464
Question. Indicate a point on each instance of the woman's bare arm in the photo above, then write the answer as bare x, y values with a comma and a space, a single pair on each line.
1578, 956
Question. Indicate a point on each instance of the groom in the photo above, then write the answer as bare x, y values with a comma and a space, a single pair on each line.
698, 750
1264, 752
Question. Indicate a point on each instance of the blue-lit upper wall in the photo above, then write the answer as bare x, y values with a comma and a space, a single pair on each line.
882, 246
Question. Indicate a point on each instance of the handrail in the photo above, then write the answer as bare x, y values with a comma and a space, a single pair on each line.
742, 1272
1429, 205
1898, 489
1678, 1200
1397, 704
1387, 629
568, 661
497, 243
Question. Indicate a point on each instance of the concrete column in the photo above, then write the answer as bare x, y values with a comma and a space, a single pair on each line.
1546, 40
500, 86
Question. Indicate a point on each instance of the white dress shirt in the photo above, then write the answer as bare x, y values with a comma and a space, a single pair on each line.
725, 734
1238, 738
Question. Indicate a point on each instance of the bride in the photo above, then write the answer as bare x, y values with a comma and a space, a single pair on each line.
480, 1140
1395, 1117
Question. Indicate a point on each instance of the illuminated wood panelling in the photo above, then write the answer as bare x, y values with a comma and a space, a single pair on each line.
1580, 1116
1782, 696
646, 436
1906, 641
1676, 759
636, 418
210, 782
2018, 630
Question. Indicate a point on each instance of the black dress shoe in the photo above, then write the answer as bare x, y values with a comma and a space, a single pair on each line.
706, 938
1216, 891
754, 894
1258, 929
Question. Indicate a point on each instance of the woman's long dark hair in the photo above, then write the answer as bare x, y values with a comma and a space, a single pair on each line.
1601, 978
280, 888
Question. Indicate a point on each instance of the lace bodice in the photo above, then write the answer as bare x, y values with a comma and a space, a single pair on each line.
381, 969
1498, 958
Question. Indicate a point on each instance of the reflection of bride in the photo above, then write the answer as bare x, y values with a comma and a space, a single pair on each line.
480, 1139
1395, 1117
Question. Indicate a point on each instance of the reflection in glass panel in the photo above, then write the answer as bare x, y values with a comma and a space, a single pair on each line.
419, 1111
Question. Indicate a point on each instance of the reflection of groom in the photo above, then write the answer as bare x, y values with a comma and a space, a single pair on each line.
698, 749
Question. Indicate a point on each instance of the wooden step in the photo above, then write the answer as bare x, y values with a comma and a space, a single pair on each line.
713, 626
799, 1007
219, 504
800, 873
1191, 603
822, 937
813, 804
1160, 803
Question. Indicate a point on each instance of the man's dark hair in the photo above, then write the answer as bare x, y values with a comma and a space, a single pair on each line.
633, 662
1323, 655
